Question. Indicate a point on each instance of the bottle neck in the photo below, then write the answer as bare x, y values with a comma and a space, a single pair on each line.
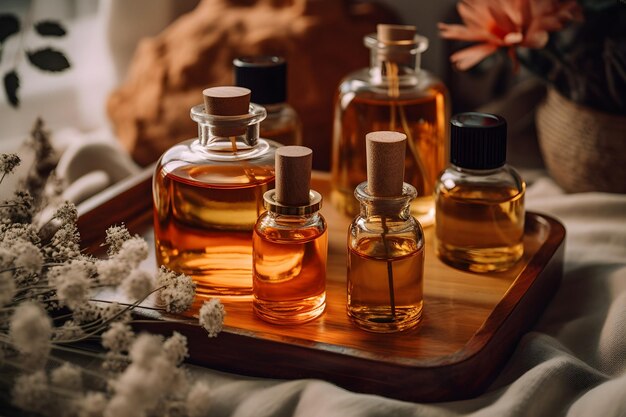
400, 61
236, 133
477, 172
394, 208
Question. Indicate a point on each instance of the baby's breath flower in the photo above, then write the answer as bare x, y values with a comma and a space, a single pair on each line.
198, 403
145, 348
211, 316
73, 286
178, 290
28, 257
67, 213
10, 233
64, 245
7, 287
115, 238
111, 271
118, 338
138, 284
8, 162
133, 251
31, 392
115, 362
20, 208
92, 405
30, 330
86, 313
175, 348
67, 376
70, 330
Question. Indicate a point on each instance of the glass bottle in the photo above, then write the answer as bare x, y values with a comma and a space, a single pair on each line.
479, 198
385, 257
394, 94
290, 245
208, 193
266, 76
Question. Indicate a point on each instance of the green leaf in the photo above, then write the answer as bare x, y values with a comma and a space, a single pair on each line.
11, 84
9, 25
50, 28
48, 59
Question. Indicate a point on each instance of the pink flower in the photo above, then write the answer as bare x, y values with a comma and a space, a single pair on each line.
506, 24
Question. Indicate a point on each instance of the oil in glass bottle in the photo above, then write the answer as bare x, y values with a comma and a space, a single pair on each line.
385, 243
479, 198
266, 76
208, 194
290, 245
393, 94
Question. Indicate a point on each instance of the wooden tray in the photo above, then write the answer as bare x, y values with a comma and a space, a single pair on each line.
471, 322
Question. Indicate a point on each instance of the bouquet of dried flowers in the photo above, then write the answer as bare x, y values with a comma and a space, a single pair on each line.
49, 310
579, 48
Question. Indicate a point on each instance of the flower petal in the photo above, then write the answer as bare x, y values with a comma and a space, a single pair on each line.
468, 57
460, 32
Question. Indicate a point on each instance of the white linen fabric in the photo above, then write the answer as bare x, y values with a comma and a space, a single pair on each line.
573, 363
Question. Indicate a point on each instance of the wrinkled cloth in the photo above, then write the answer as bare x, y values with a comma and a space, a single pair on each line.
573, 362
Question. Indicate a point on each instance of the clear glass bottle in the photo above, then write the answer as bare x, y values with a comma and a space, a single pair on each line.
208, 194
395, 94
479, 198
290, 247
385, 259
266, 76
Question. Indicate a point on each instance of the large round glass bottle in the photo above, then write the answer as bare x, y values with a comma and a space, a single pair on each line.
395, 94
208, 194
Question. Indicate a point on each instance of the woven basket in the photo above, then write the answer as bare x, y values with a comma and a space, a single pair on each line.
583, 149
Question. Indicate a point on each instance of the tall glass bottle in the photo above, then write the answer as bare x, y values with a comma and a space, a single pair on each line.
290, 245
208, 194
480, 199
266, 76
385, 244
394, 94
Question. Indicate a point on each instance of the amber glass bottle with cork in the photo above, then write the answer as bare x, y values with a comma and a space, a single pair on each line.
480, 199
393, 94
385, 243
266, 76
208, 194
290, 245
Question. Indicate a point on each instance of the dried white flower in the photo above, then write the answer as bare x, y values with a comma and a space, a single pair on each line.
92, 405
31, 392
70, 330
115, 362
115, 238
175, 348
64, 245
198, 403
30, 330
28, 257
118, 338
72, 285
67, 213
7, 287
67, 376
111, 271
145, 348
138, 284
8, 162
211, 316
178, 291
133, 251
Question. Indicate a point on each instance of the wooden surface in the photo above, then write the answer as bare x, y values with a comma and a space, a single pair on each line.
470, 325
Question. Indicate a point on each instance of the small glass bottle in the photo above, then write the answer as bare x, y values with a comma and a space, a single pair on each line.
290, 245
385, 243
479, 198
266, 76
208, 194
394, 94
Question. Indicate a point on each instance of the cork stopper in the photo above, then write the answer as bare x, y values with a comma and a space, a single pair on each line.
293, 175
227, 101
395, 33
385, 163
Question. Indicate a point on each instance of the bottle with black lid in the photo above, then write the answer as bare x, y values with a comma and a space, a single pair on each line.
266, 76
479, 198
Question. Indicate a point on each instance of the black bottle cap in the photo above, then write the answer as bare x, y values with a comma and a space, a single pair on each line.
478, 140
266, 76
